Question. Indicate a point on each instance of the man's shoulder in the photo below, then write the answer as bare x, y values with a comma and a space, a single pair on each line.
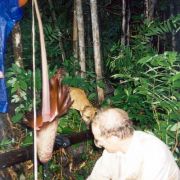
152, 145
147, 138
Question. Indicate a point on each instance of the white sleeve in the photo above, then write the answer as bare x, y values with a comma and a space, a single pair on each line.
100, 170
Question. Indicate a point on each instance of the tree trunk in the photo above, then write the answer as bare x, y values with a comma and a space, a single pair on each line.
152, 6
146, 8
177, 37
88, 38
123, 32
96, 46
17, 45
53, 14
173, 40
128, 22
75, 32
80, 24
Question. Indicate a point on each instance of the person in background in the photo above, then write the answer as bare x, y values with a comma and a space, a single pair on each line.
129, 154
10, 13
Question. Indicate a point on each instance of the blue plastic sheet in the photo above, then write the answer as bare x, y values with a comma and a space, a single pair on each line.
10, 13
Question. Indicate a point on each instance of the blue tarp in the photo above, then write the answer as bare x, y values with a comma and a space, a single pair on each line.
10, 13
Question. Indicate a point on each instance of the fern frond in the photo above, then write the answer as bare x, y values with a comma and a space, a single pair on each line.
155, 28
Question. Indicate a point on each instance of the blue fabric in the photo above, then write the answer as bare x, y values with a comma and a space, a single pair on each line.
10, 13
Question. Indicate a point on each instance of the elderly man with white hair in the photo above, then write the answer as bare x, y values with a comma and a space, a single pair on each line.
129, 154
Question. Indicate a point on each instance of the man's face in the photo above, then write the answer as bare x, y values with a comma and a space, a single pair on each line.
110, 143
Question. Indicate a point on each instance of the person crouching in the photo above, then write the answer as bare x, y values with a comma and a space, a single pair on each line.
129, 154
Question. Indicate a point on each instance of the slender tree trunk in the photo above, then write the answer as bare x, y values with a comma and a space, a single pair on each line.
146, 5
80, 24
177, 11
96, 46
88, 38
89, 45
53, 14
75, 32
128, 22
149, 13
158, 44
17, 45
173, 39
123, 32
152, 6
165, 38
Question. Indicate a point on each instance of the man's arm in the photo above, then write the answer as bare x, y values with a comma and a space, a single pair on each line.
101, 171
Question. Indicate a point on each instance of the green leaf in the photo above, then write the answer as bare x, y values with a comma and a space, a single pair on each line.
169, 26
101, 84
67, 130
176, 84
17, 117
23, 85
28, 140
171, 57
175, 77
144, 60
92, 96
175, 127
5, 142
13, 90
